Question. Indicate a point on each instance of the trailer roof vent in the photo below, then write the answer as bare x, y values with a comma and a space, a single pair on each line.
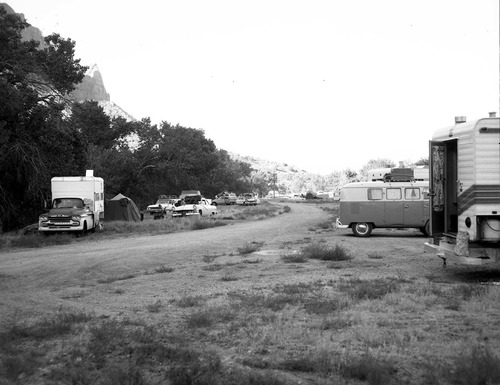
460, 119
493, 114
89, 173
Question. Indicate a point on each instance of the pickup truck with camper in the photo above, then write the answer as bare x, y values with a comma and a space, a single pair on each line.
77, 205
193, 204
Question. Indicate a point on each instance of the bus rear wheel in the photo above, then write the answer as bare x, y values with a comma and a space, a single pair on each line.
362, 229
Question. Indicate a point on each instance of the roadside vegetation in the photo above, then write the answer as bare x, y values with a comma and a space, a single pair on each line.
228, 215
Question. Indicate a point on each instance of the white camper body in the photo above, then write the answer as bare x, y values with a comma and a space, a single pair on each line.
465, 192
77, 205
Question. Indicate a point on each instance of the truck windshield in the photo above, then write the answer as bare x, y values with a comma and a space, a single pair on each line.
68, 203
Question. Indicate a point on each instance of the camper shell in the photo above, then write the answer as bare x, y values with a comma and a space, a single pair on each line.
465, 191
77, 205
393, 202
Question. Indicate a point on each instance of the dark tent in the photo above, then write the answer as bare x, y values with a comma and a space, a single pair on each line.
121, 208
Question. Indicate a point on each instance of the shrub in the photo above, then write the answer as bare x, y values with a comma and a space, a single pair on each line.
325, 253
250, 247
294, 258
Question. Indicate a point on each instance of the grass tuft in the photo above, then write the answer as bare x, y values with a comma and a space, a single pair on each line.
250, 247
325, 253
294, 258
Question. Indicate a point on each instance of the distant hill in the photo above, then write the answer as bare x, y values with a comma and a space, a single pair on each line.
291, 179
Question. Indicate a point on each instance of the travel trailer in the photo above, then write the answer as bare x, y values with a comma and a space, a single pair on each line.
465, 191
392, 199
77, 205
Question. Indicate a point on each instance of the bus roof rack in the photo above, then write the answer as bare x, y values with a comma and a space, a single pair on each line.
400, 174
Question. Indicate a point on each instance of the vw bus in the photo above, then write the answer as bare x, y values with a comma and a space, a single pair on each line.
386, 203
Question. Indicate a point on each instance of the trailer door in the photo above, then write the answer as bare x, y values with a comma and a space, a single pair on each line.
436, 187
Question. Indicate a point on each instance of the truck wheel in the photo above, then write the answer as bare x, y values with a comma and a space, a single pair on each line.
362, 229
83, 232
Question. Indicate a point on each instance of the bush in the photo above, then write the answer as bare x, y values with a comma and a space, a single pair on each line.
250, 247
325, 253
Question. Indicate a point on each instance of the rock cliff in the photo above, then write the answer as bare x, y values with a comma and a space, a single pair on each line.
91, 88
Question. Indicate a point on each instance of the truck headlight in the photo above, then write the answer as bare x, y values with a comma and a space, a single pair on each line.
43, 218
76, 218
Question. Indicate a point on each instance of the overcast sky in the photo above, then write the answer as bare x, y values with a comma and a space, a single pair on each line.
323, 85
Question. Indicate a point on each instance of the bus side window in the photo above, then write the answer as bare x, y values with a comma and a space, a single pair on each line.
393, 193
375, 194
412, 194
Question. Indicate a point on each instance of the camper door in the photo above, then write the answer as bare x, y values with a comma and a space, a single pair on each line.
443, 187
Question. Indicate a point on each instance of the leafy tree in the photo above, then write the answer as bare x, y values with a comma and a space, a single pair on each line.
422, 161
374, 164
34, 82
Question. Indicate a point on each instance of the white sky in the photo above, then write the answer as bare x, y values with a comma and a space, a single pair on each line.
323, 85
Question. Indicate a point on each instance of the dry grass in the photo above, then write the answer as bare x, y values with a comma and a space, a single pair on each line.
336, 331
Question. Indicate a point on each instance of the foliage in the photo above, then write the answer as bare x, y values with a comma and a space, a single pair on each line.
35, 81
374, 164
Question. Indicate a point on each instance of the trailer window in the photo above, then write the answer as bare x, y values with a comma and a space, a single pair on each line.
375, 194
393, 193
412, 193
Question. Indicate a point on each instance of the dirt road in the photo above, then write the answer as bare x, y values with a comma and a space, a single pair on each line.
37, 280
117, 276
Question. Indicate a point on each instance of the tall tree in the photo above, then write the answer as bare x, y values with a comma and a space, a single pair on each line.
34, 83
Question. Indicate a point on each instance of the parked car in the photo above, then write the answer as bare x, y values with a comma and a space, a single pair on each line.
225, 198
193, 205
247, 199
163, 205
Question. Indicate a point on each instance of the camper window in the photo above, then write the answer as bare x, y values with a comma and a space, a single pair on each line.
412, 194
375, 194
393, 193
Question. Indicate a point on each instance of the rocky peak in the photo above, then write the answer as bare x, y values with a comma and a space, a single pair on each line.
29, 33
91, 87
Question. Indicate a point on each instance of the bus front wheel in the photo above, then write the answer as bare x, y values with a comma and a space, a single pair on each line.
362, 229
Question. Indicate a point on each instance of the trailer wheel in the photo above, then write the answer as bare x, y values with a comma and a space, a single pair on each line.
426, 230
362, 229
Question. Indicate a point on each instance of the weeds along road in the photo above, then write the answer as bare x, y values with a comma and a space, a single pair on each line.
35, 281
